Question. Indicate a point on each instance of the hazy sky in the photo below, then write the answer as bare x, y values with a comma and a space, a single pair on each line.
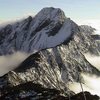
75, 9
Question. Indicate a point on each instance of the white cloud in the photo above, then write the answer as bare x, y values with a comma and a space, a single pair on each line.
92, 82
94, 60
9, 62
14, 19
92, 85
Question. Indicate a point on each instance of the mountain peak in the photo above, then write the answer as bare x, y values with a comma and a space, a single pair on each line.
34, 34
51, 13
49, 28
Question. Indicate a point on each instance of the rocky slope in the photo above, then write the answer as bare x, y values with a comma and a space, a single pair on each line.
55, 67
96, 37
59, 45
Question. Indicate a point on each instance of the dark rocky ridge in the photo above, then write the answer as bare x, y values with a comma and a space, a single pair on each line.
96, 37
31, 91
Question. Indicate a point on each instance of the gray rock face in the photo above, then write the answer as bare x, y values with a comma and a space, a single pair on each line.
87, 29
96, 37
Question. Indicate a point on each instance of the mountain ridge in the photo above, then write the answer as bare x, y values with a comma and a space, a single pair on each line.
34, 34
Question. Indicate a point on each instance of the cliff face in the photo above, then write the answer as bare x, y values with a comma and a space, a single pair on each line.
59, 45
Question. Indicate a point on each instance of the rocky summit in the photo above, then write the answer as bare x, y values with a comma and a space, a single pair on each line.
34, 34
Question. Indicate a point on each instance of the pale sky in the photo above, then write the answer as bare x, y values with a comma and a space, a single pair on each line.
75, 9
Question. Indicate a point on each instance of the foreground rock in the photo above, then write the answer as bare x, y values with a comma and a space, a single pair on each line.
88, 96
31, 91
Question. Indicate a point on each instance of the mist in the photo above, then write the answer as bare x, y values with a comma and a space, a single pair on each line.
9, 62
91, 84
94, 60
11, 21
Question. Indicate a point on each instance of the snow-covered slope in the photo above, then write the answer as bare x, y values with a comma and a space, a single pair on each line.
48, 28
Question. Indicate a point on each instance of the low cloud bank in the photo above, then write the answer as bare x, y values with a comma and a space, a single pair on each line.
9, 62
94, 60
11, 20
91, 84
